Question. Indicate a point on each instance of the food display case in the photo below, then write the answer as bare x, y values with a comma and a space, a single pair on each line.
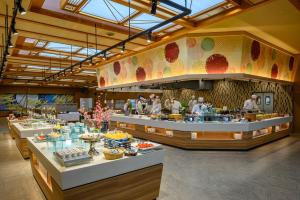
100, 176
28, 128
241, 135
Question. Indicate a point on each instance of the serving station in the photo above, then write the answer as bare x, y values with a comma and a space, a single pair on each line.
129, 177
21, 130
204, 135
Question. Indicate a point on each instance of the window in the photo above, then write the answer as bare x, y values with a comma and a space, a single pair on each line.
91, 51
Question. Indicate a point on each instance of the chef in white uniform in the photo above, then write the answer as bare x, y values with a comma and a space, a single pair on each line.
198, 107
156, 107
192, 102
250, 104
175, 106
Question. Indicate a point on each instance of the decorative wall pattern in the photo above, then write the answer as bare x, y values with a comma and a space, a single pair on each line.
200, 55
223, 94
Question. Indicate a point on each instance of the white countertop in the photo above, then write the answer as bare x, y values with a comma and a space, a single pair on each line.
29, 132
98, 169
204, 126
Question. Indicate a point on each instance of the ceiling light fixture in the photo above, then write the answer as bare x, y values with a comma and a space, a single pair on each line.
91, 62
14, 30
104, 55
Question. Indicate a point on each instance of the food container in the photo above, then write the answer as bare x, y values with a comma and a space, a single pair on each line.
113, 154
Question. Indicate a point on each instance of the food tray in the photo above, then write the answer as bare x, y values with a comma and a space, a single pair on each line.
73, 160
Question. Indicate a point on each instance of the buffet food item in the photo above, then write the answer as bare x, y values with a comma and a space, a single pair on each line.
72, 156
40, 137
54, 135
113, 154
117, 135
145, 145
90, 136
131, 151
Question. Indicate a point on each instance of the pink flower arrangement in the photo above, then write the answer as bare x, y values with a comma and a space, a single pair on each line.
99, 115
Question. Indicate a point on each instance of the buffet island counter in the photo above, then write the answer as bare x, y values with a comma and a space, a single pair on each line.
128, 177
20, 130
204, 135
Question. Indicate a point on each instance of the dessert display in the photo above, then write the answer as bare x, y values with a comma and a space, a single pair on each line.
72, 156
115, 139
90, 136
113, 154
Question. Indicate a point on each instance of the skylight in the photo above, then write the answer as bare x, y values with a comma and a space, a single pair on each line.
24, 52
52, 55
145, 21
88, 72
77, 58
91, 51
40, 44
30, 40
62, 47
55, 69
106, 9
36, 67
195, 5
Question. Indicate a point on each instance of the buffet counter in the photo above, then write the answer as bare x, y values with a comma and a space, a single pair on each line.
204, 135
20, 133
136, 177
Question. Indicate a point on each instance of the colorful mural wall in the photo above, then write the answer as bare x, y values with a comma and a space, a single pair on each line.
200, 55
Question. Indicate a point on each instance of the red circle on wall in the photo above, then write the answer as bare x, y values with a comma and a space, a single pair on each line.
274, 72
117, 67
140, 74
291, 63
102, 81
171, 52
216, 64
255, 50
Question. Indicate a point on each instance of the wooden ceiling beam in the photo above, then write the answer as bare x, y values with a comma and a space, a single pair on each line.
145, 8
41, 74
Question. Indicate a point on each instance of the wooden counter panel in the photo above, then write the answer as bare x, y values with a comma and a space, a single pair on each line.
22, 146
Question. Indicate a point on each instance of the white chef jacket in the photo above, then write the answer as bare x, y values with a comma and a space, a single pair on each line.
156, 108
192, 103
176, 107
250, 104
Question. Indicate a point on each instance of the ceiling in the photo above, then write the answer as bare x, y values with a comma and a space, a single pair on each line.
57, 33
276, 22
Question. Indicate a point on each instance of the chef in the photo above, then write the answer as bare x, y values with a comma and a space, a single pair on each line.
175, 106
250, 104
156, 107
192, 102
199, 106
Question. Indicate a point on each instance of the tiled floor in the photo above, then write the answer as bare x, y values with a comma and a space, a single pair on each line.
271, 172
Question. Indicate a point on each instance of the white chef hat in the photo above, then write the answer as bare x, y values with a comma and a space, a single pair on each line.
201, 99
254, 96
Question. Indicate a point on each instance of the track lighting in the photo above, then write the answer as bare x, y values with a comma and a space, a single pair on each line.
153, 7
80, 66
91, 62
22, 11
149, 39
104, 56
10, 45
14, 30
123, 48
